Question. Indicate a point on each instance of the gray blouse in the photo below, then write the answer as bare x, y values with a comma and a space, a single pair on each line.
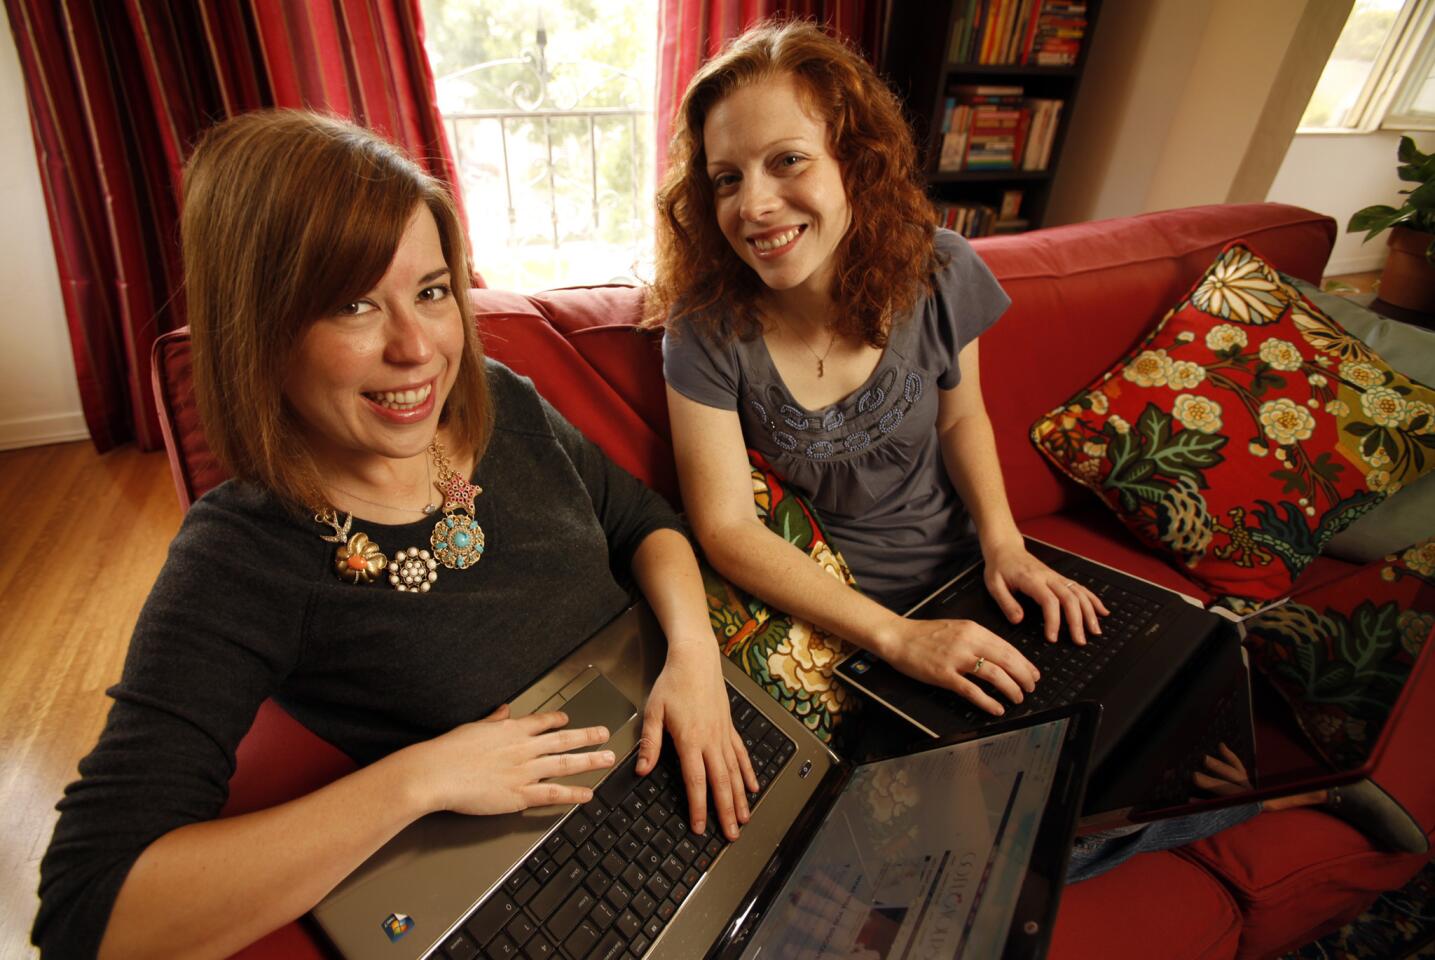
871, 463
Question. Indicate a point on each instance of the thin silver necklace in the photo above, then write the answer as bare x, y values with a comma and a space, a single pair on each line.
427, 509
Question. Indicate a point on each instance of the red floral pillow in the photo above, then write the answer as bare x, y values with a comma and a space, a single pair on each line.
1246, 431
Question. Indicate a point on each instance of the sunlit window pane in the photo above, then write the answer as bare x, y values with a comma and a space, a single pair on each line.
1424, 101
1350, 63
549, 113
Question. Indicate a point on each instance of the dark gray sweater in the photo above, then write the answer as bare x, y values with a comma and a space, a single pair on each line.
248, 607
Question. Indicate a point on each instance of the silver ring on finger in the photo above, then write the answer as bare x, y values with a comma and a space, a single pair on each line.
1070, 584
978, 667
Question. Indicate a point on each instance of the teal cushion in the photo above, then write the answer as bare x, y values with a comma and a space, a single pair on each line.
1409, 516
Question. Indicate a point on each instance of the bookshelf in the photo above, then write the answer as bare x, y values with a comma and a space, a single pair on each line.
931, 58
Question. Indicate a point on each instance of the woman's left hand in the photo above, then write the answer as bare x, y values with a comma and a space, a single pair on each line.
690, 700
1012, 568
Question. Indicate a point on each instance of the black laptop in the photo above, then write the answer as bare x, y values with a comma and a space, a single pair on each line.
957, 848
1171, 678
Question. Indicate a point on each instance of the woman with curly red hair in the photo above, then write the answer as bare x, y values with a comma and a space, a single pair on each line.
814, 314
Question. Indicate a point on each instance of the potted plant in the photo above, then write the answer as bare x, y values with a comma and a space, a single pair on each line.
1409, 276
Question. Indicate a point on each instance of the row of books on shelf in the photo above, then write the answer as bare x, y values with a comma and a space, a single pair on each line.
1044, 33
997, 128
980, 219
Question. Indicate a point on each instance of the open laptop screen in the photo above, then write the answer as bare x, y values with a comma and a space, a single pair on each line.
922, 856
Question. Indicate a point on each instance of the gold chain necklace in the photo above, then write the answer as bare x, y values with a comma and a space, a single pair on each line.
457, 540
822, 357
426, 509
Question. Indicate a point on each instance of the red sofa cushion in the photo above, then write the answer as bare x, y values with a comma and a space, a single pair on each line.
1127, 914
1297, 873
593, 389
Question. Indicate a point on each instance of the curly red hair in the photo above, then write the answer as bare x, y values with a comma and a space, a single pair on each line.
886, 259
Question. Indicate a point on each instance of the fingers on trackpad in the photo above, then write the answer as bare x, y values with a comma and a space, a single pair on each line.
591, 700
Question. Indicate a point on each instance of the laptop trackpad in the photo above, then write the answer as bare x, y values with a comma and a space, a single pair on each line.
591, 700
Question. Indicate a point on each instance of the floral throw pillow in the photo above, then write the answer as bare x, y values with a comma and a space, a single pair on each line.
1246, 431
790, 658
1340, 653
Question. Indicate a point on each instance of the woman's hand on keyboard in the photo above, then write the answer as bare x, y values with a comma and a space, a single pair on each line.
690, 700
946, 653
1011, 568
502, 765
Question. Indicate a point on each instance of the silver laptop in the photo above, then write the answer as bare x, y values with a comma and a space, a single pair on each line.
622, 876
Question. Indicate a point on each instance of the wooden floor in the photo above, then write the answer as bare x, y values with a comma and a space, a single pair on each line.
82, 537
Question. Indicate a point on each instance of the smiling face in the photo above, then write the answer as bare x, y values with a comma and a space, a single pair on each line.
370, 380
777, 189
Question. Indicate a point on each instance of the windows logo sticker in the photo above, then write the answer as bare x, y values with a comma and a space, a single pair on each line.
396, 925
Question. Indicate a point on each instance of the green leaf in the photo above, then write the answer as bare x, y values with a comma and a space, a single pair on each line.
1418, 424
1418, 172
1408, 152
1335, 679
1120, 449
1134, 472
1370, 444
795, 528
1388, 444
1150, 492
1155, 425
1376, 218
1265, 380
1294, 482
1422, 198
1374, 632
1189, 453
1328, 468
1359, 428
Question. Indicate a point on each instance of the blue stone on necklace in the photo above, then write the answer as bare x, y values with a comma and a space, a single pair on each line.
460, 540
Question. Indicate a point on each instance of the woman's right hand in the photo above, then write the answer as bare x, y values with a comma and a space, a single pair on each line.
502, 765
945, 653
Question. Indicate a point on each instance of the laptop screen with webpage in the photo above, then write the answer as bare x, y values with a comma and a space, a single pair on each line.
922, 856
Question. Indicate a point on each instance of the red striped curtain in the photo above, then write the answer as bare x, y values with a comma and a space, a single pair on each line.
691, 31
119, 91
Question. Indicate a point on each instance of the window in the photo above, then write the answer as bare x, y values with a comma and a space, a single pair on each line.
549, 114
1381, 71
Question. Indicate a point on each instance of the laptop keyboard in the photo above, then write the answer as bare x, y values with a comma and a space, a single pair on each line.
1067, 669
614, 872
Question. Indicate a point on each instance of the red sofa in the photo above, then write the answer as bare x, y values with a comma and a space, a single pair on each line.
1081, 296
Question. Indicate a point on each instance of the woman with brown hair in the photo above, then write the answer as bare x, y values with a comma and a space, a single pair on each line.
814, 314
412, 536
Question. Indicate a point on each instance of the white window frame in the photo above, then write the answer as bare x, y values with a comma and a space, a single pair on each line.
1399, 113
1403, 62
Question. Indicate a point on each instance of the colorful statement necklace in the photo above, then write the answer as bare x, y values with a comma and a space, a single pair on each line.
457, 539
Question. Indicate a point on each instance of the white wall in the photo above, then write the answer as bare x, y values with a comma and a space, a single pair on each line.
39, 398
1140, 58
1338, 174
1189, 102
